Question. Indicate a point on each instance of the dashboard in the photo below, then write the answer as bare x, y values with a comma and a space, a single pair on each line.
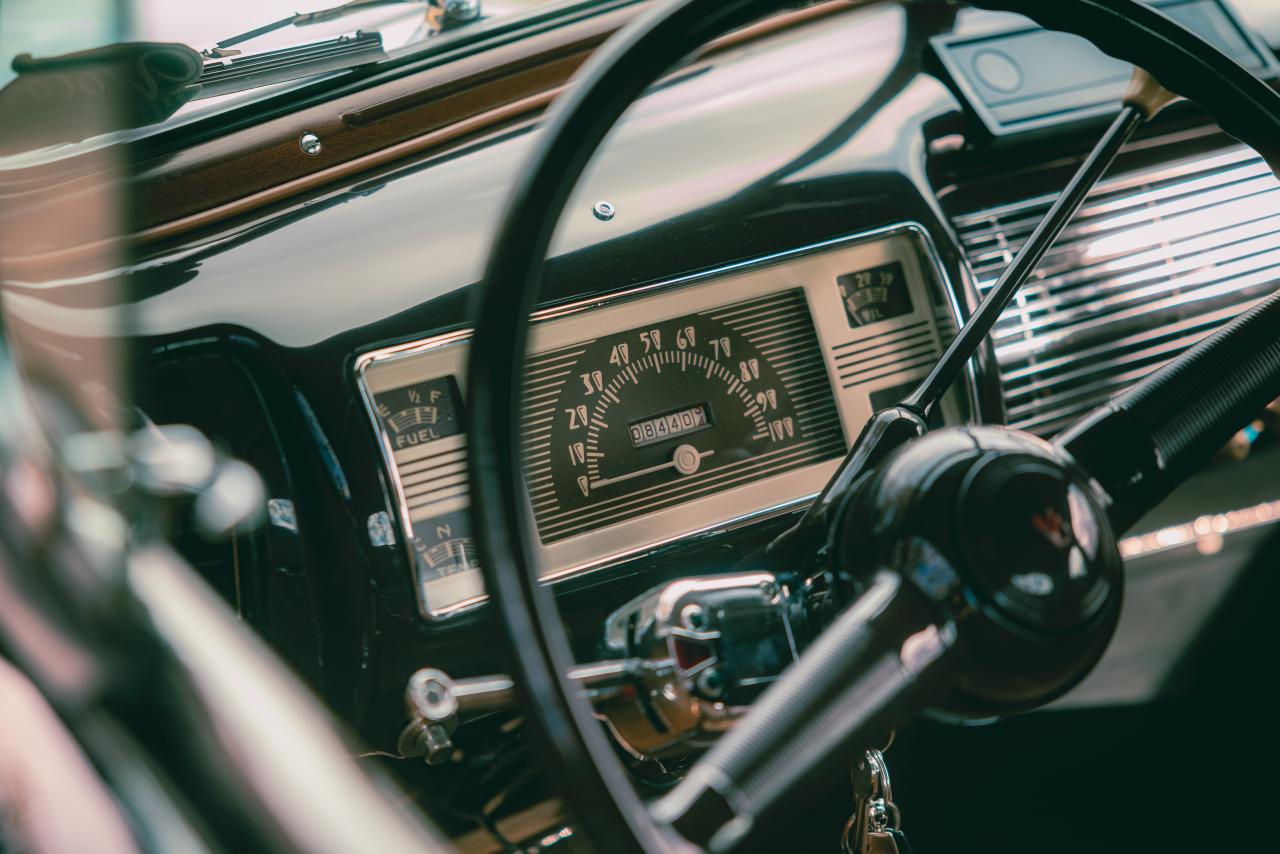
668, 410
699, 361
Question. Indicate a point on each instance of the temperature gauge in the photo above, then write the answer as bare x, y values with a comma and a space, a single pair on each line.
444, 545
445, 554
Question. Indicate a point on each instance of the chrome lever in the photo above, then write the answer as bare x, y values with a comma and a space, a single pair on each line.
692, 655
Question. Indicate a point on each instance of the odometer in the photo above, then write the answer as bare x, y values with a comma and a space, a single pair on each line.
650, 431
648, 418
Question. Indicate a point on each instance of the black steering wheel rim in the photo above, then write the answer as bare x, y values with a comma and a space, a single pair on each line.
595, 784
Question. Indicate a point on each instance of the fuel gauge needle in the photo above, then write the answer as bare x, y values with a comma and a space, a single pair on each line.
686, 460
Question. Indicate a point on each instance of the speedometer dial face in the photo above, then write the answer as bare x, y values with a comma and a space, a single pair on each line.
645, 419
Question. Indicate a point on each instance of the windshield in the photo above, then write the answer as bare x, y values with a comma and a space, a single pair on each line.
198, 58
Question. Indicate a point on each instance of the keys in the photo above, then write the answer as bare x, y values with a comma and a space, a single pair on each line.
874, 827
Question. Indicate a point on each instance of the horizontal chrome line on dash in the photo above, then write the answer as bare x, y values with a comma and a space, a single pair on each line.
457, 467
913, 365
1079, 397
1207, 228
1214, 236
436, 496
756, 308
1146, 211
432, 461
1038, 338
1141, 186
756, 319
1156, 259
1165, 341
901, 347
1162, 277
870, 342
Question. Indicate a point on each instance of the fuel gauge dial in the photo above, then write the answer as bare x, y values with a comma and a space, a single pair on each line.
420, 413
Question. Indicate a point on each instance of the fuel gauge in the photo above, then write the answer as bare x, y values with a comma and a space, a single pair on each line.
420, 413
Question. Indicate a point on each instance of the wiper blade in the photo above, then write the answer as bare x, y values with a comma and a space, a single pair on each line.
442, 12
301, 19
227, 70
224, 75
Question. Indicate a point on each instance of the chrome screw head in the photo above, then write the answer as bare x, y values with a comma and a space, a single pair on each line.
309, 143
603, 210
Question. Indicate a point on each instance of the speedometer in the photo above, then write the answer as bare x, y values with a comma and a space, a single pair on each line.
649, 418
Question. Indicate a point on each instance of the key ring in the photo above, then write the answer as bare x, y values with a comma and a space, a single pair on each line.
875, 810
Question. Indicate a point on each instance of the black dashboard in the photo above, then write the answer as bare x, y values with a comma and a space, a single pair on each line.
776, 241
334, 308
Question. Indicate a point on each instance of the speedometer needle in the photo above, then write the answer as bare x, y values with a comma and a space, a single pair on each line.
685, 460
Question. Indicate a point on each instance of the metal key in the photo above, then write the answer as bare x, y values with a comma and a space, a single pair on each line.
874, 827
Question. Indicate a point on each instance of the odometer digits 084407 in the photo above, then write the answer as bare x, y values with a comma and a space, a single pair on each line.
645, 419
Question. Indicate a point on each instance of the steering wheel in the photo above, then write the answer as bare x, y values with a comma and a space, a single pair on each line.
938, 615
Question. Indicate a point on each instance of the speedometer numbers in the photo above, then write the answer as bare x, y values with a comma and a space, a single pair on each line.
646, 419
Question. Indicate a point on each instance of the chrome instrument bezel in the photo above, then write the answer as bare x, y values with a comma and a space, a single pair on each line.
941, 291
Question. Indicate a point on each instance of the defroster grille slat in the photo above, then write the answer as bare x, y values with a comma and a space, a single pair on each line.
1156, 259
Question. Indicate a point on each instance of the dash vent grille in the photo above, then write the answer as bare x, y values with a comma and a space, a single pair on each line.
1155, 260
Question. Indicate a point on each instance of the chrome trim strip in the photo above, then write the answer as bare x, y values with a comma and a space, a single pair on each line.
936, 278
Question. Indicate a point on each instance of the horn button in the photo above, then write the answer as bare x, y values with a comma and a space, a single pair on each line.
1030, 538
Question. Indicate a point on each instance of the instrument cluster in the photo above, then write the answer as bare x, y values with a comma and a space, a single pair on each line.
666, 411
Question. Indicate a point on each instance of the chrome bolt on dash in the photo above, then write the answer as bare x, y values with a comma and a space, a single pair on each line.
309, 143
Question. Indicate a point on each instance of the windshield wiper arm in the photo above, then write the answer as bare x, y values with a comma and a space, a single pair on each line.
225, 74
444, 14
